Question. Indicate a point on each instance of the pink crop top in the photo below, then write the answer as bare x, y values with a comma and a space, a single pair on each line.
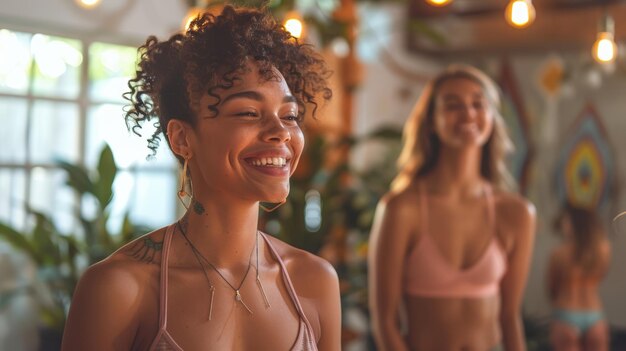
429, 274
163, 341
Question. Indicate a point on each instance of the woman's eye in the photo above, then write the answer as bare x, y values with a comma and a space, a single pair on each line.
453, 107
292, 117
247, 114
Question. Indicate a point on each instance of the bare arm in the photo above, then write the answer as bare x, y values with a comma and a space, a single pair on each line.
103, 311
387, 247
520, 218
329, 307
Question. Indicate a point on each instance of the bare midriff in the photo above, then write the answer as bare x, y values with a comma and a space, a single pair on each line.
453, 324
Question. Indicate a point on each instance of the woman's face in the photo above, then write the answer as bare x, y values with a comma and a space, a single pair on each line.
463, 115
250, 149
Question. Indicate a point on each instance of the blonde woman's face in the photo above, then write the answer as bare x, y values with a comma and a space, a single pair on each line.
463, 115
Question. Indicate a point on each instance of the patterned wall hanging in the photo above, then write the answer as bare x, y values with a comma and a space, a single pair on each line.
585, 169
518, 126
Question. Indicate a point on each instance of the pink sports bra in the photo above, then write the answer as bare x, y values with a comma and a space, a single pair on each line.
305, 341
429, 274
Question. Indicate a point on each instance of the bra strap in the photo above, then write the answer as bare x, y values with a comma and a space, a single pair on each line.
288, 283
167, 240
491, 208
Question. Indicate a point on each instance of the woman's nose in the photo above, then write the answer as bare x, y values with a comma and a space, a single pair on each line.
469, 111
275, 131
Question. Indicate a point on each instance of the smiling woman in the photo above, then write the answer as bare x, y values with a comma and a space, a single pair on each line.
230, 95
449, 244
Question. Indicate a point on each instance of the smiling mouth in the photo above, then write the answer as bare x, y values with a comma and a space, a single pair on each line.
468, 126
276, 162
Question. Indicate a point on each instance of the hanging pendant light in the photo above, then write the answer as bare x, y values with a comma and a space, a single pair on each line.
520, 13
604, 49
294, 24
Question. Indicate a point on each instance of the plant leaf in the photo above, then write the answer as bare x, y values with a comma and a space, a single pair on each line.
431, 33
44, 235
390, 133
18, 240
106, 171
78, 178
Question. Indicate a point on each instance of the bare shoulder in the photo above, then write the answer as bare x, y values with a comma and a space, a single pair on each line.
400, 202
304, 266
516, 219
110, 301
125, 271
514, 208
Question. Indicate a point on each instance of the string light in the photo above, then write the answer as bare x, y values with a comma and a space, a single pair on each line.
191, 15
294, 25
438, 3
520, 13
604, 49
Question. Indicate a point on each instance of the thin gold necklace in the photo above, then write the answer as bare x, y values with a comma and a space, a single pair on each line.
206, 275
238, 297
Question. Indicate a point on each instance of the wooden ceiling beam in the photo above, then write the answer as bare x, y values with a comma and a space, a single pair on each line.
554, 29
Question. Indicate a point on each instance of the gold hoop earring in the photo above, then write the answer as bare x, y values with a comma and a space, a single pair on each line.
182, 192
270, 209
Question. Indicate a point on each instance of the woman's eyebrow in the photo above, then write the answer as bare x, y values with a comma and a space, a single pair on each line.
244, 95
253, 95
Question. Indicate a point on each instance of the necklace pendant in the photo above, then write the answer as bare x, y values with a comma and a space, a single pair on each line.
239, 299
211, 303
260, 286
237, 296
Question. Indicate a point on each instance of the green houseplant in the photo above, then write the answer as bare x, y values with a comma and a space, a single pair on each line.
61, 257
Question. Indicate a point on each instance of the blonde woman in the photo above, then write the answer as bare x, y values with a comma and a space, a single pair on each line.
577, 268
450, 246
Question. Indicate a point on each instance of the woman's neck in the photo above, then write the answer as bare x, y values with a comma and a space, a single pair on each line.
223, 233
457, 172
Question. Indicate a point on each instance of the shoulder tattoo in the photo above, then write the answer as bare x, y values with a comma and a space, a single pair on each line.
146, 250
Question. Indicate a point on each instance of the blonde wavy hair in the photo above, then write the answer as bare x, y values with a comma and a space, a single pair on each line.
421, 144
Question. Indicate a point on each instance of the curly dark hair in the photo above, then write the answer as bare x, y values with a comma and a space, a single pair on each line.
211, 55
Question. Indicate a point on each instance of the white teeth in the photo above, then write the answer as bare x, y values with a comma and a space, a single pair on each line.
269, 161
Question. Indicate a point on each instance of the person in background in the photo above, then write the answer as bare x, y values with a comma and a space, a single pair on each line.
577, 267
450, 247
230, 95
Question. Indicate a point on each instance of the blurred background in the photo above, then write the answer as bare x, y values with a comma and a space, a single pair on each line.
75, 184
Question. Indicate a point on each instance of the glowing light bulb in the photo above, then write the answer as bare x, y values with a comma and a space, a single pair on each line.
191, 15
604, 49
294, 26
88, 4
438, 3
520, 13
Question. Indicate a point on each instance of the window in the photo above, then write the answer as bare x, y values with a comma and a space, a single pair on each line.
61, 98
